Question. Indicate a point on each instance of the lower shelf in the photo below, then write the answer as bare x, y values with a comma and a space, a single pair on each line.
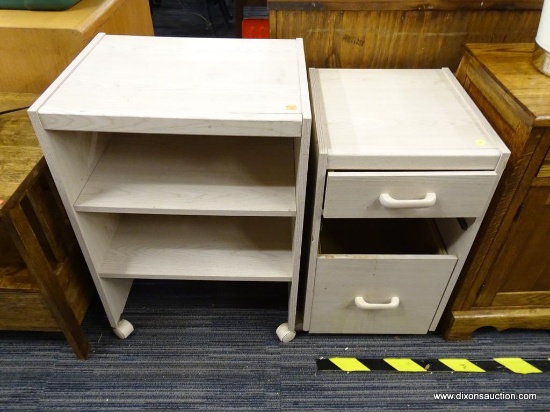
201, 248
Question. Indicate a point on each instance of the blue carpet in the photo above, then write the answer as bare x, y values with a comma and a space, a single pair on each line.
212, 347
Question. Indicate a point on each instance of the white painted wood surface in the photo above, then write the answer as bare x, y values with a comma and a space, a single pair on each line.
459, 241
206, 175
377, 131
201, 248
182, 86
182, 89
418, 281
301, 161
403, 119
356, 194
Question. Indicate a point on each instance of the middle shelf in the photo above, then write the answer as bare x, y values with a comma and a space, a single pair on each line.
193, 175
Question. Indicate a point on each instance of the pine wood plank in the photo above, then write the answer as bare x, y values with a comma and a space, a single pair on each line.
19, 148
389, 34
213, 175
324, 5
201, 248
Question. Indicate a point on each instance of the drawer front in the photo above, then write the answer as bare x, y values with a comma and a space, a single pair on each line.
418, 281
407, 194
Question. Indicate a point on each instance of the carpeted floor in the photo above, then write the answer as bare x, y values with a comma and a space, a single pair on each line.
212, 347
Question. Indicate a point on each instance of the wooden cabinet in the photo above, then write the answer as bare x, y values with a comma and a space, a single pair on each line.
409, 34
182, 159
38, 45
44, 284
506, 282
402, 170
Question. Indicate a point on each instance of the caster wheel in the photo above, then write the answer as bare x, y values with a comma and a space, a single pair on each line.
284, 334
123, 329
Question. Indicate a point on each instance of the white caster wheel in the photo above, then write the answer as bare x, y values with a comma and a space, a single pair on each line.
284, 334
123, 329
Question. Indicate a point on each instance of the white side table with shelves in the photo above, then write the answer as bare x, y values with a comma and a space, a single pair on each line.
180, 158
403, 169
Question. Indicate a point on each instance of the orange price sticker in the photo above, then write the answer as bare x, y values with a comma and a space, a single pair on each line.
291, 107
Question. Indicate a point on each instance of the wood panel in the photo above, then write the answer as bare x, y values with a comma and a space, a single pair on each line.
162, 175
247, 101
514, 123
38, 45
399, 34
523, 265
25, 311
213, 248
506, 283
43, 284
417, 280
357, 194
463, 323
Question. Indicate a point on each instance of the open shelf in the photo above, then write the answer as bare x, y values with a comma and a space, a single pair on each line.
381, 237
193, 175
201, 248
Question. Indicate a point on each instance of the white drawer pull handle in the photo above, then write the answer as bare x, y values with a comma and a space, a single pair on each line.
391, 203
362, 304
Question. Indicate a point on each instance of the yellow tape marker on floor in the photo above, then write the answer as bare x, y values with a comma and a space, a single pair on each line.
349, 365
404, 365
461, 365
518, 365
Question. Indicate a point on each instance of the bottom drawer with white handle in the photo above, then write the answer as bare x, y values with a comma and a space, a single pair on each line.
365, 287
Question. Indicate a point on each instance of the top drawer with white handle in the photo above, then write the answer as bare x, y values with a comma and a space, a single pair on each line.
407, 194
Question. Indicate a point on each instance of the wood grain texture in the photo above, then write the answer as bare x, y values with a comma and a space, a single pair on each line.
184, 89
201, 86
418, 281
38, 45
316, 191
392, 34
356, 194
25, 311
43, 283
20, 150
421, 125
524, 264
301, 162
361, 108
508, 268
201, 248
324, 5
210, 175
511, 66
26, 240
522, 299
464, 323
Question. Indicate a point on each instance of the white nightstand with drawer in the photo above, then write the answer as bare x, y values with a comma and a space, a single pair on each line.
403, 169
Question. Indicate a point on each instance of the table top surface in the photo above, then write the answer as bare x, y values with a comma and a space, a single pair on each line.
135, 77
402, 114
19, 148
511, 67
